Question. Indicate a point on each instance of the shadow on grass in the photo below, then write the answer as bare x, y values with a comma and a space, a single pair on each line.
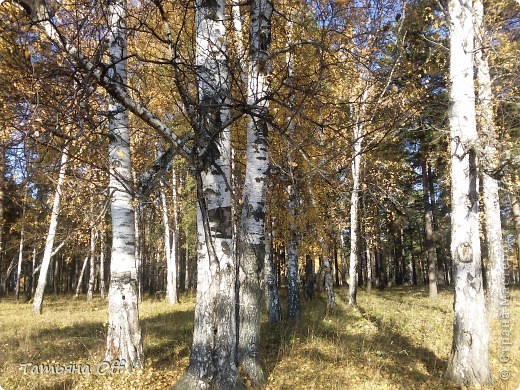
318, 341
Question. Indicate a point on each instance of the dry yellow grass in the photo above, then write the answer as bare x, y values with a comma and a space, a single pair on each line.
395, 339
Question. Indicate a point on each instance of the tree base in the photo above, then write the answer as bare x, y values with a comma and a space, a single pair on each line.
253, 370
222, 381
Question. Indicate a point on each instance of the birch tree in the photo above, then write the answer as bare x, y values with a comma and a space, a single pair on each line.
252, 227
49, 242
489, 163
213, 355
124, 332
468, 364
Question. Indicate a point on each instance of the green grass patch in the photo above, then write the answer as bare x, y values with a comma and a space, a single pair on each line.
394, 339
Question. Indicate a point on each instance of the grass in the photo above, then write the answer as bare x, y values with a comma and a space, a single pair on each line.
395, 339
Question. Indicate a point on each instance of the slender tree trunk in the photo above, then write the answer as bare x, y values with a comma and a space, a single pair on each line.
92, 274
489, 163
102, 251
252, 225
79, 285
428, 232
171, 267
329, 285
20, 260
124, 331
469, 362
515, 207
354, 201
293, 283
20, 248
49, 242
214, 351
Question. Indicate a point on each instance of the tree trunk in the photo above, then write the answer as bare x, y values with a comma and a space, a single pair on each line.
428, 231
469, 362
329, 286
169, 252
20, 248
124, 331
515, 207
49, 242
293, 284
2, 219
92, 274
274, 309
252, 224
214, 351
102, 250
489, 163
354, 209
79, 285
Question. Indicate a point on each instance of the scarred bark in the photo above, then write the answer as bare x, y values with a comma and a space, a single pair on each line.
469, 362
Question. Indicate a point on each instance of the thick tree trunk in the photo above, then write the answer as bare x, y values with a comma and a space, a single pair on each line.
489, 163
274, 309
49, 242
428, 232
214, 351
124, 332
251, 247
469, 362
293, 283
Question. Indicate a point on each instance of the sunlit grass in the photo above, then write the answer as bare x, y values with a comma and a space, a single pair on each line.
395, 339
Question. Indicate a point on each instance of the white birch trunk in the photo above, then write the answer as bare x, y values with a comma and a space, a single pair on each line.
252, 225
213, 355
169, 250
274, 310
49, 242
428, 231
20, 248
124, 332
469, 362
354, 199
81, 274
20, 260
489, 163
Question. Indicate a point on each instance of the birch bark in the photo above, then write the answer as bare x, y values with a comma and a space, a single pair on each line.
489, 164
252, 225
49, 242
469, 362
428, 231
124, 332
214, 351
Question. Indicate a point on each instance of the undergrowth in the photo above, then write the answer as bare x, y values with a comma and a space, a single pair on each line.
394, 339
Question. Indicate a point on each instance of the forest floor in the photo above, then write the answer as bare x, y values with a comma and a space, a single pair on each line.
395, 339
